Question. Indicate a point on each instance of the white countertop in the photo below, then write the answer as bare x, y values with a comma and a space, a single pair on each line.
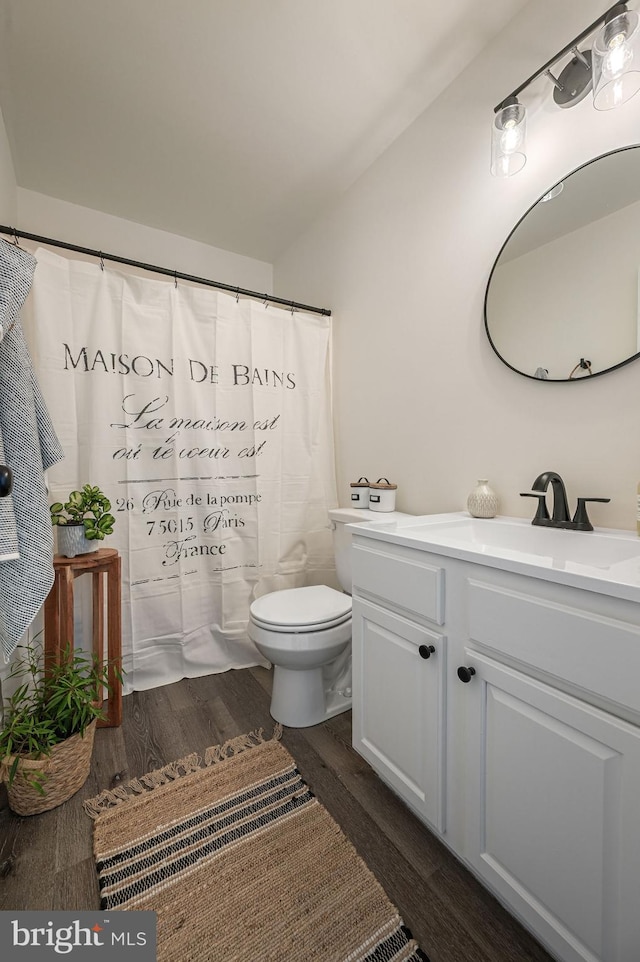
606, 560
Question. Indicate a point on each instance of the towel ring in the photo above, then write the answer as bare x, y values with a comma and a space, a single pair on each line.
581, 365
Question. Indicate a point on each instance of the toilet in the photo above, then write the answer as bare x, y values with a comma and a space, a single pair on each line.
306, 634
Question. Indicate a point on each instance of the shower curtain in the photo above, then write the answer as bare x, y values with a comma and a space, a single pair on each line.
206, 420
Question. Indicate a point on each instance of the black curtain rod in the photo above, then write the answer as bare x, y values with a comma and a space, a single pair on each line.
177, 275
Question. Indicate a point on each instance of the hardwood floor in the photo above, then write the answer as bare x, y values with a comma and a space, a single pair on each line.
46, 861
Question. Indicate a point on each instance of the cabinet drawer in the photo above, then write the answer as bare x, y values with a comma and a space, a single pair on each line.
596, 653
403, 578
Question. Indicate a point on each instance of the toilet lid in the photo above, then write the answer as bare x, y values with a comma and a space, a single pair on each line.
295, 608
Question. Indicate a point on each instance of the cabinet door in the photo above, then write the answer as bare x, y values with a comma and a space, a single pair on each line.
399, 704
553, 812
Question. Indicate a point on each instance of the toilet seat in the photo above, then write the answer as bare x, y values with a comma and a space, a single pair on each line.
313, 608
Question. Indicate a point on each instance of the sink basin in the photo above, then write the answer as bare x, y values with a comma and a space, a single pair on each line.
590, 549
608, 559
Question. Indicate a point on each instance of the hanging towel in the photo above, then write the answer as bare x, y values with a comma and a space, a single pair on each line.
29, 446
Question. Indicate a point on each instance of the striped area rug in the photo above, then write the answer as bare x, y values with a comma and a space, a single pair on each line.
242, 864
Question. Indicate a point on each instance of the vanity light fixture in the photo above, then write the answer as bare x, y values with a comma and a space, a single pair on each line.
616, 59
611, 69
554, 192
508, 136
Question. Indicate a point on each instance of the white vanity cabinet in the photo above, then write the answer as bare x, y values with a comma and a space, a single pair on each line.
528, 760
399, 676
553, 822
399, 667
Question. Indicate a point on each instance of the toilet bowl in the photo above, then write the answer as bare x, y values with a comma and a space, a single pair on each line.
306, 634
302, 630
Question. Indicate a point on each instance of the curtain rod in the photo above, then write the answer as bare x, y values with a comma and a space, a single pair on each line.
177, 275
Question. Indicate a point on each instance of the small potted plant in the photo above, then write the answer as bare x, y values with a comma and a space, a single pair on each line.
82, 521
48, 727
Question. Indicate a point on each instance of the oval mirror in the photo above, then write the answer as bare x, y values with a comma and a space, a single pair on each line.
562, 297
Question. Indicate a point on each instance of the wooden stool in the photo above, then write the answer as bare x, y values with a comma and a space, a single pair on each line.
58, 616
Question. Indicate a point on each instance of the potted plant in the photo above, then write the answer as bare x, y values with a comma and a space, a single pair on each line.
82, 521
48, 727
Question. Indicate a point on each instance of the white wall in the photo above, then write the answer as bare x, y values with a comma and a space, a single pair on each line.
403, 261
48, 217
8, 206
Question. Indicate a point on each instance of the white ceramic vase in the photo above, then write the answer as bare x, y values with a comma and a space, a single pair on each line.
483, 501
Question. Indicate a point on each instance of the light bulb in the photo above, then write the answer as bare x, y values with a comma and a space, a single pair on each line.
617, 59
508, 140
511, 137
617, 93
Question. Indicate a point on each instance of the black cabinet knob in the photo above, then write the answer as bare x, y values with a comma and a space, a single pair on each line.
466, 674
6, 481
425, 651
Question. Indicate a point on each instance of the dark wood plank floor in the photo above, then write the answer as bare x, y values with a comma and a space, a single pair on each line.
46, 861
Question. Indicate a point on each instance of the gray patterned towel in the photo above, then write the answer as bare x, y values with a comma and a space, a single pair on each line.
29, 446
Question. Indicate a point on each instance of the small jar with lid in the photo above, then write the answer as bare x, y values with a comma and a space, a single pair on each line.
360, 493
382, 495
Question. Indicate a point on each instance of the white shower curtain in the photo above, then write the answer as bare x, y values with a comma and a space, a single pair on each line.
206, 420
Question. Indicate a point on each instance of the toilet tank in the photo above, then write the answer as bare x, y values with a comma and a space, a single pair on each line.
340, 517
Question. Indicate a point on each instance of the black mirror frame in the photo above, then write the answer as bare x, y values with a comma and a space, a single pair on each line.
532, 377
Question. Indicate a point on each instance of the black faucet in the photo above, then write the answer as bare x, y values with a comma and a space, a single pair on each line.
560, 517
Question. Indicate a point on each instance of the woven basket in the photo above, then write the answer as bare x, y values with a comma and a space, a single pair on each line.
66, 770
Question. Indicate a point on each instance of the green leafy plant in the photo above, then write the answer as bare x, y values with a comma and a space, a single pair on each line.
89, 507
49, 707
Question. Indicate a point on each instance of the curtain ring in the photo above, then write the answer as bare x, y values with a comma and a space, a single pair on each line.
101, 261
266, 303
16, 239
293, 307
237, 294
175, 279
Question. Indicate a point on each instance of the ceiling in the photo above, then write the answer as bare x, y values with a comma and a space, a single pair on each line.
233, 122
